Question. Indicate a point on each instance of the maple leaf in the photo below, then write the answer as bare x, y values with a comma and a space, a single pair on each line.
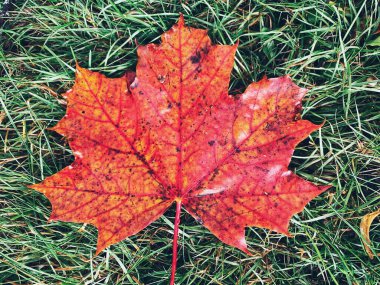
175, 135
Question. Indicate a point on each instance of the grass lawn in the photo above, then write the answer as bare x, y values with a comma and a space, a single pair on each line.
326, 46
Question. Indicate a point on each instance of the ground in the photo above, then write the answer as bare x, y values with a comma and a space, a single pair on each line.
326, 46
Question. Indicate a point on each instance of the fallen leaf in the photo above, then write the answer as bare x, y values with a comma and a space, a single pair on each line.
175, 135
365, 225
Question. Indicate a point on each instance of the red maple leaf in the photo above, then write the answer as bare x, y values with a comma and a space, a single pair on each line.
175, 135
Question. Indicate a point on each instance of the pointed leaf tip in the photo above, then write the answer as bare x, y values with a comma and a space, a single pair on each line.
181, 20
243, 245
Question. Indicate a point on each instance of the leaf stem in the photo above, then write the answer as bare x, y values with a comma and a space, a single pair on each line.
175, 240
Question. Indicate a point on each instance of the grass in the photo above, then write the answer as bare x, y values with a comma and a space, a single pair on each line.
325, 46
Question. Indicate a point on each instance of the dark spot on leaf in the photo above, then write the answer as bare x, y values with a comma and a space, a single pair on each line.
161, 78
269, 127
140, 157
196, 57
205, 49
